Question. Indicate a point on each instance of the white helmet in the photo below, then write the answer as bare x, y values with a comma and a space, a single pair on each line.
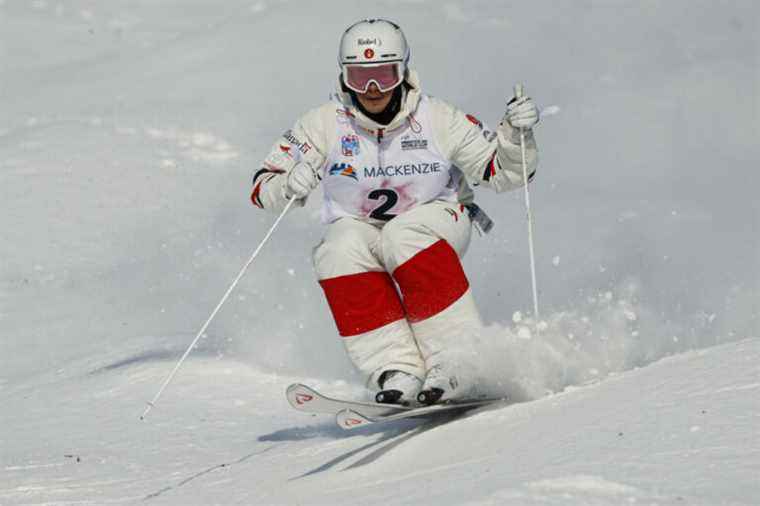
373, 50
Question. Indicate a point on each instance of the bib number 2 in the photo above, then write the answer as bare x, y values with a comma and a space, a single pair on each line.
390, 199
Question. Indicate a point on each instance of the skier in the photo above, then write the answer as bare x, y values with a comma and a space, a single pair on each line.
394, 166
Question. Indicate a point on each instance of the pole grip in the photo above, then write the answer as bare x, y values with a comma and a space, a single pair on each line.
519, 90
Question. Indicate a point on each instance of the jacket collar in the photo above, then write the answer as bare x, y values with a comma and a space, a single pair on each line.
409, 102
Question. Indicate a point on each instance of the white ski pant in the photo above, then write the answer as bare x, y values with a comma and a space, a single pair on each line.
398, 294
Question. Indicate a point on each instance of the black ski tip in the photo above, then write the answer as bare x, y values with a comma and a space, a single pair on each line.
388, 396
430, 396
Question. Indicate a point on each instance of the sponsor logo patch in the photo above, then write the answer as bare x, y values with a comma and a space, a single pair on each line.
349, 144
344, 169
411, 144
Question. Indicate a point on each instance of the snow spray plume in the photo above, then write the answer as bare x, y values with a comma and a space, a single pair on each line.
169, 378
603, 334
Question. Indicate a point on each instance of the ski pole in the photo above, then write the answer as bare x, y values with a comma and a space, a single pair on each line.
152, 403
519, 90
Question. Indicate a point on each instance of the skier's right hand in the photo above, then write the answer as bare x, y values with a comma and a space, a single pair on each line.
301, 180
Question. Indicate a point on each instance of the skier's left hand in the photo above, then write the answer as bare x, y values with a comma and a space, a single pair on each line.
522, 113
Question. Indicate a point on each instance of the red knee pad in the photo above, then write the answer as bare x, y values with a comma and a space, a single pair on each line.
362, 302
431, 281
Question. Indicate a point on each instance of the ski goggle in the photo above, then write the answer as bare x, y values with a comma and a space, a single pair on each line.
386, 76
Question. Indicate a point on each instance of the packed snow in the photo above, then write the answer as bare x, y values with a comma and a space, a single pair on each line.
129, 132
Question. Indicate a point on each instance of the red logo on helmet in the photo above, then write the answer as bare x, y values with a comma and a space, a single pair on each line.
369, 53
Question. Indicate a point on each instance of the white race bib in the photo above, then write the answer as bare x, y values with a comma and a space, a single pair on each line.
377, 178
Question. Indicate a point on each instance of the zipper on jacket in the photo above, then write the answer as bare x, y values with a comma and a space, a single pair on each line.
380, 147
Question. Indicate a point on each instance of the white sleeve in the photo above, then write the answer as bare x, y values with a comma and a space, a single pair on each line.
306, 142
485, 157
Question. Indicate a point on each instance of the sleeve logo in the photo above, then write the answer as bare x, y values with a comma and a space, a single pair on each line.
302, 146
475, 121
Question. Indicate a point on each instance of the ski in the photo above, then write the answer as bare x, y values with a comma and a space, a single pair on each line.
304, 398
353, 418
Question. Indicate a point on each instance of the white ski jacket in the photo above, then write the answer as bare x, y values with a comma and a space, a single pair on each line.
484, 157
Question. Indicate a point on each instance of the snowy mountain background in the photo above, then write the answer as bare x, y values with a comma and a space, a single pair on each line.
129, 132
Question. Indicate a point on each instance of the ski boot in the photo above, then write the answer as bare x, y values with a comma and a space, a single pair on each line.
438, 386
398, 387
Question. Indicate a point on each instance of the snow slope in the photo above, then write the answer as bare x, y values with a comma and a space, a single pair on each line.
681, 431
128, 135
